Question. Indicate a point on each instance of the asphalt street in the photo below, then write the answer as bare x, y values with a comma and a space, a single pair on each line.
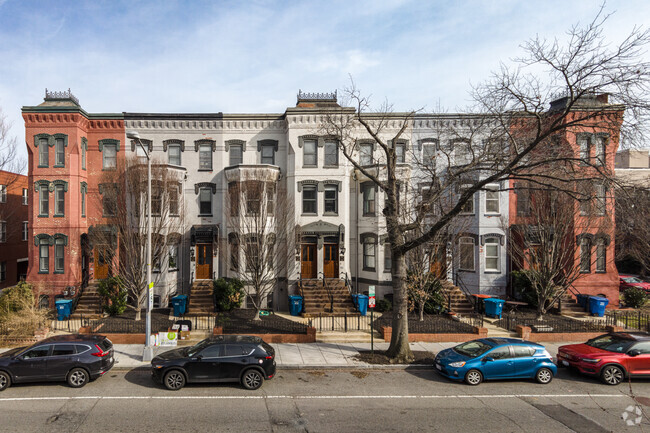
325, 401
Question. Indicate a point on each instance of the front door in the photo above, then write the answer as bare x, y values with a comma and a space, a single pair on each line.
308, 262
203, 261
331, 261
103, 258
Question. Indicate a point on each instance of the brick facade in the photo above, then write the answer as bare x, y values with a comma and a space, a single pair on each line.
13, 213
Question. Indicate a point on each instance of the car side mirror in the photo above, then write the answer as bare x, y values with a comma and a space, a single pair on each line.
199, 357
488, 359
634, 352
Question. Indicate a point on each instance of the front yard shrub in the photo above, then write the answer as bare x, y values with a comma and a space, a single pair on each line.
228, 294
15, 299
634, 298
19, 316
523, 288
384, 305
114, 295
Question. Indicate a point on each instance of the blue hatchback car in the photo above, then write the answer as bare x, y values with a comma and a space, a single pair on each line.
496, 358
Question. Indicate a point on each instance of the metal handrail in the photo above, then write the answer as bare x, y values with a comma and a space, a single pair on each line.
463, 288
348, 284
329, 292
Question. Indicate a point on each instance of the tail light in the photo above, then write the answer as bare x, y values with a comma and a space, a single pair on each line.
269, 357
100, 353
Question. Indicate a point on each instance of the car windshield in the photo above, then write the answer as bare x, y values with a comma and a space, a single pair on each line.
632, 280
197, 347
472, 348
611, 343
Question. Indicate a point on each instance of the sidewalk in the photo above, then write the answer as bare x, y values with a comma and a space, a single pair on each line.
304, 356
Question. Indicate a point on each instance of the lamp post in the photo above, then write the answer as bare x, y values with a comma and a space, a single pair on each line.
147, 354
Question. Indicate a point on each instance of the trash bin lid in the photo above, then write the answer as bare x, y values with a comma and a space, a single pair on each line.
63, 301
494, 300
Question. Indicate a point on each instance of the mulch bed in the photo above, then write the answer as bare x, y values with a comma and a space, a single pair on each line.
432, 324
551, 323
126, 323
241, 322
379, 357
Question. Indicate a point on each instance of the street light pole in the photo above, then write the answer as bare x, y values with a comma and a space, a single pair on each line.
147, 354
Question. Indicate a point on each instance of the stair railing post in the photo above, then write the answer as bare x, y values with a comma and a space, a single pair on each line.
345, 316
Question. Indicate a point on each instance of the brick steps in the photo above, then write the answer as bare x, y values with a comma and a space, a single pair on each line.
317, 298
458, 300
201, 301
90, 303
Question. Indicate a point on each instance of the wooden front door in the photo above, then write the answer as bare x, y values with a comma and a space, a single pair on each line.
331, 260
203, 261
308, 261
103, 258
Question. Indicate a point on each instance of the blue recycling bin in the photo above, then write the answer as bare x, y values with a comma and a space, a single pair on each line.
362, 301
597, 305
295, 305
493, 307
583, 300
63, 308
180, 305
355, 301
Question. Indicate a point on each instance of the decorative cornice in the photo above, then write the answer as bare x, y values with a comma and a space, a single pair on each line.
51, 139
107, 142
267, 142
499, 236
198, 143
62, 183
229, 143
368, 237
146, 142
212, 186
173, 141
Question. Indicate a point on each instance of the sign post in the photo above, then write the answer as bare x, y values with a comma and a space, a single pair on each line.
371, 305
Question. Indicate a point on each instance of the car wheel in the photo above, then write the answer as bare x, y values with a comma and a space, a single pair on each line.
612, 375
174, 380
77, 377
252, 379
544, 376
5, 381
473, 377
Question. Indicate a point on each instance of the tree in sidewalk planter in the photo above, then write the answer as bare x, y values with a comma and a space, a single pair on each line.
553, 244
229, 294
258, 225
123, 198
510, 134
114, 295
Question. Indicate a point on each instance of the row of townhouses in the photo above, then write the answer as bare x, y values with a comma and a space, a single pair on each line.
332, 216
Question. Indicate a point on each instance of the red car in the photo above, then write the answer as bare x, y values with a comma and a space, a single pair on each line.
612, 357
627, 281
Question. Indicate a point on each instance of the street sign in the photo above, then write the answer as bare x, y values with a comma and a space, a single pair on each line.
150, 295
371, 296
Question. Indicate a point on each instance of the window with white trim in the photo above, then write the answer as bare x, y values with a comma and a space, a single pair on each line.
309, 199
205, 157
43, 258
268, 154
236, 154
310, 153
365, 154
59, 200
400, 153
3, 193
44, 201
331, 199
369, 199
109, 157
58, 255
331, 154
492, 199
205, 201
59, 152
25, 231
43, 153
25, 197
369, 254
174, 154
492, 254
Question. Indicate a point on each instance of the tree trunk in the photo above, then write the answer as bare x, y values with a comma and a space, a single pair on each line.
257, 317
399, 350
138, 314
421, 308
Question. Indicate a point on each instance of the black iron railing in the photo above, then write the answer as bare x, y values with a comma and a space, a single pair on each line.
463, 288
550, 323
343, 322
632, 320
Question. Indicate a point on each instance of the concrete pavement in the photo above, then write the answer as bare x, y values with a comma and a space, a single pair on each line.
305, 355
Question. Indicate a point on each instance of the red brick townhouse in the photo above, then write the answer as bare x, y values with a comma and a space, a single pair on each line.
591, 141
69, 151
14, 231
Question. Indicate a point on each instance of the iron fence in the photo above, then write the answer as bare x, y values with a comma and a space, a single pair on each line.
633, 320
67, 325
340, 322
550, 323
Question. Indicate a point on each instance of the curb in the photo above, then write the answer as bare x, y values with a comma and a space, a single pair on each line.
320, 367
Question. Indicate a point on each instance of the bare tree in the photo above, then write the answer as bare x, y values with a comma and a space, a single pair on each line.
257, 232
511, 133
554, 230
10, 163
633, 226
124, 200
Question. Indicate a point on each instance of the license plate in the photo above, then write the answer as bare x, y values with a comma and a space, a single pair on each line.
565, 363
438, 367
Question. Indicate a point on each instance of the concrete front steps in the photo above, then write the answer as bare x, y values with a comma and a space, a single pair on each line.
201, 300
316, 297
90, 303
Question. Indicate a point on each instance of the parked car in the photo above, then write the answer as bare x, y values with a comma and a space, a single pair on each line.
496, 358
612, 357
628, 281
226, 358
76, 359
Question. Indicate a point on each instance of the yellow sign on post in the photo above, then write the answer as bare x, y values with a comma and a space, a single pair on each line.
151, 295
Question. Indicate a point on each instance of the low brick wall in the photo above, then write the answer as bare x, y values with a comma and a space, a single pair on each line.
309, 337
117, 338
387, 333
526, 333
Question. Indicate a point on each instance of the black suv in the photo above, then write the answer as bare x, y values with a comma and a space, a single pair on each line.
75, 359
225, 358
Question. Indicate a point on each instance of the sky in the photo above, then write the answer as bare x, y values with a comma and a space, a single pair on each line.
253, 56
